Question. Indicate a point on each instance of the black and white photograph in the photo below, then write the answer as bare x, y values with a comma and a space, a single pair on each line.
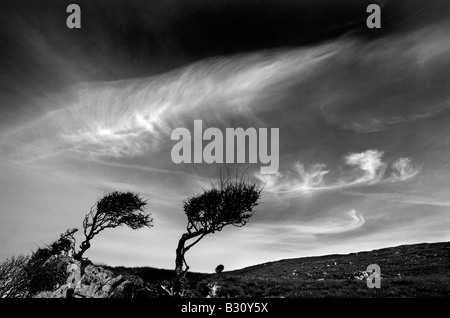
224, 149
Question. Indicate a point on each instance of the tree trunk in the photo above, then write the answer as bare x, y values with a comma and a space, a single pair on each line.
179, 264
83, 248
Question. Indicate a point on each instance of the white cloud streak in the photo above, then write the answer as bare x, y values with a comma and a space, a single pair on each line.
373, 125
403, 198
344, 222
369, 169
351, 221
131, 117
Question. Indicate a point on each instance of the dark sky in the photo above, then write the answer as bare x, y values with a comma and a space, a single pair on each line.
128, 39
363, 117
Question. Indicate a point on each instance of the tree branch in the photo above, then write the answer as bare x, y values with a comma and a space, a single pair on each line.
195, 242
185, 264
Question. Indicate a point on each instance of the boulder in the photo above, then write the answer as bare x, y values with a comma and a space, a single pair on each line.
91, 281
360, 275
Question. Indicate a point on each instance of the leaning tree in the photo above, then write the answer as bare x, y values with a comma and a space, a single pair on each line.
228, 202
113, 210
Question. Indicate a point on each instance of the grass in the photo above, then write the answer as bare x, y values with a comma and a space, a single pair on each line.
419, 270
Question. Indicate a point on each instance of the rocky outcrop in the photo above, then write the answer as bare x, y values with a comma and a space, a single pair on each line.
91, 281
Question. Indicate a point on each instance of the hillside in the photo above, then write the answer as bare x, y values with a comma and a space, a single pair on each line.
419, 270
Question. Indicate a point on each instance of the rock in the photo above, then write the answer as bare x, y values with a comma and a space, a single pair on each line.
131, 287
74, 271
112, 284
359, 275
93, 275
96, 282
44, 294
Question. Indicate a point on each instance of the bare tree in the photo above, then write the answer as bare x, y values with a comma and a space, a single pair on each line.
113, 210
228, 202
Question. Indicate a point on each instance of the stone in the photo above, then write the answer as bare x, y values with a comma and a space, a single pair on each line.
96, 282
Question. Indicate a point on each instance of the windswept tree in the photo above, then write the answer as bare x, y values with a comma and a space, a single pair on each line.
113, 210
228, 202
65, 244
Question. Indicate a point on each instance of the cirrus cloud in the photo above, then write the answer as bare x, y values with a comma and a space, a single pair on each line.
368, 169
128, 118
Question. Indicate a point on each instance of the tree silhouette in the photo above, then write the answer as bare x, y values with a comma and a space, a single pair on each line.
65, 244
228, 202
220, 268
113, 210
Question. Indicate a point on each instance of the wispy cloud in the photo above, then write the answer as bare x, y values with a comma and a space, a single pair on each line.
403, 198
143, 168
369, 163
393, 82
358, 118
368, 169
374, 124
350, 221
132, 117
403, 169
338, 223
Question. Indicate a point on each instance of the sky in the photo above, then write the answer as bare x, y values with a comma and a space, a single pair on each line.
363, 118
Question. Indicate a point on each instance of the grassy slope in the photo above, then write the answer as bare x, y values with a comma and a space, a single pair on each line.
420, 270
